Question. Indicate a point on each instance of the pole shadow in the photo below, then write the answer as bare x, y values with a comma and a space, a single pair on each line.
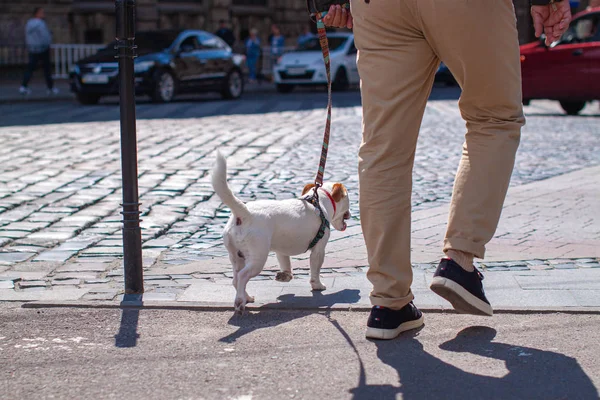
127, 335
533, 373
265, 317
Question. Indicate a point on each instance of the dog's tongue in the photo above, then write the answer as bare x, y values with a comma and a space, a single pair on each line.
344, 227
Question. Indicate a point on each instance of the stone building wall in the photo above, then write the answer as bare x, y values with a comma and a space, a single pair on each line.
92, 21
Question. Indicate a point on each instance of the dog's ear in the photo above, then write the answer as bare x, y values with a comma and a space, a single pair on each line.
338, 192
307, 188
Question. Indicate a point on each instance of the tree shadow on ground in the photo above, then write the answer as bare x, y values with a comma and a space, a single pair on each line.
533, 373
292, 307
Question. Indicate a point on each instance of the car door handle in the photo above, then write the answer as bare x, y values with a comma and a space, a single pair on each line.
578, 52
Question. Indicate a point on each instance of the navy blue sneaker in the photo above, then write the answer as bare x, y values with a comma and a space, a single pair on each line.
385, 323
461, 288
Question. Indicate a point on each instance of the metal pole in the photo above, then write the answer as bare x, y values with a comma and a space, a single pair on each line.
132, 236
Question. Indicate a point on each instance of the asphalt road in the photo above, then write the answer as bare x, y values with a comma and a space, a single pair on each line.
161, 354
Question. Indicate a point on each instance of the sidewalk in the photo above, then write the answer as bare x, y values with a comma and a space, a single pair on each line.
545, 256
9, 91
165, 354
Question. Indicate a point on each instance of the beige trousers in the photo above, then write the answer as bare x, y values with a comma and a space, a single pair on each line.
400, 44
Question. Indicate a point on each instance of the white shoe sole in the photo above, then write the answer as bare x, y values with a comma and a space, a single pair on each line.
387, 334
460, 298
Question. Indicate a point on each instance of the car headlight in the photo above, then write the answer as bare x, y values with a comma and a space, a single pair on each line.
143, 66
238, 59
74, 69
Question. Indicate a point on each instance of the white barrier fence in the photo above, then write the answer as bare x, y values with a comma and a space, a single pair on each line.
65, 55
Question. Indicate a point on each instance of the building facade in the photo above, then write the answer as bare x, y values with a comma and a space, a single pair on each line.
93, 21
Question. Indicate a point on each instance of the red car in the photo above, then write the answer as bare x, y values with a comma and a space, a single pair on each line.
569, 69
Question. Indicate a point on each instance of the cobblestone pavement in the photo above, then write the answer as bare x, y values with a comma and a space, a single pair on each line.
60, 182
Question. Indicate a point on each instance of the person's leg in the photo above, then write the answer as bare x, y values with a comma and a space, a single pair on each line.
31, 65
479, 44
47, 69
397, 68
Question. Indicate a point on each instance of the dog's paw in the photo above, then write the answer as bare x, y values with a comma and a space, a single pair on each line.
317, 286
284, 276
240, 305
249, 299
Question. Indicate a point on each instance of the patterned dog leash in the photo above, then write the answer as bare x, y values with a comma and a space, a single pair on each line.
314, 199
322, 34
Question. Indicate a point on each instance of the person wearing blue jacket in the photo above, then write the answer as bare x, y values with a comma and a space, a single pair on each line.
253, 54
38, 39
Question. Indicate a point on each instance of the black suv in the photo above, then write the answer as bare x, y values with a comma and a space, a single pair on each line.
168, 63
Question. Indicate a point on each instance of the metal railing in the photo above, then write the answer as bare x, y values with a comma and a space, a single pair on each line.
63, 56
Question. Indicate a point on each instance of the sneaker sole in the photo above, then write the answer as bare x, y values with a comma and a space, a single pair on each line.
387, 334
460, 298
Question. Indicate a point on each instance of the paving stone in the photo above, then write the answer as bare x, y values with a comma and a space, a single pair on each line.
96, 281
75, 245
180, 276
565, 266
66, 282
55, 255
6, 284
83, 267
13, 234
15, 257
75, 275
30, 284
25, 226
51, 235
150, 277
99, 296
588, 265
157, 296
159, 243
166, 283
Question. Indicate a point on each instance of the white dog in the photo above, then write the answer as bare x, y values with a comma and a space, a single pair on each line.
287, 227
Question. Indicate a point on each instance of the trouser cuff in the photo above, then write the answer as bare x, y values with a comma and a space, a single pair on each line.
464, 245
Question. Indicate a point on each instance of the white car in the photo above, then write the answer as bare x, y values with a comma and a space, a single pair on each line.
305, 65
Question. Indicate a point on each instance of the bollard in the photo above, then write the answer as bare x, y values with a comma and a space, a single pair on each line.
132, 236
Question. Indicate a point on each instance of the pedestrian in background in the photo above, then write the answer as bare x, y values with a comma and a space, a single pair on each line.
400, 45
225, 33
277, 41
305, 35
38, 39
253, 54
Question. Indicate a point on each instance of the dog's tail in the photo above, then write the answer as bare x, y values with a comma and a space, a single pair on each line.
219, 183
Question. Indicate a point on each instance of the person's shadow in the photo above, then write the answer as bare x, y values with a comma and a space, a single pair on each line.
533, 373
263, 317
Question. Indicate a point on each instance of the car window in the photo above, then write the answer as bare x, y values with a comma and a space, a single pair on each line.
189, 44
584, 29
312, 44
210, 42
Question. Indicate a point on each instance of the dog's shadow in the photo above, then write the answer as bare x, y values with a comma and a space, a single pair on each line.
290, 307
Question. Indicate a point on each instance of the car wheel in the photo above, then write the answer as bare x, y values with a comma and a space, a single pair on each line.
164, 88
282, 88
88, 99
233, 85
572, 107
341, 82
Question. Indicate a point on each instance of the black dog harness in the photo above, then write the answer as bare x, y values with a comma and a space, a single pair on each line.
314, 200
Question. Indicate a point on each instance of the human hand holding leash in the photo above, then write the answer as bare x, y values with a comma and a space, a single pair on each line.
338, 17
552, 19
